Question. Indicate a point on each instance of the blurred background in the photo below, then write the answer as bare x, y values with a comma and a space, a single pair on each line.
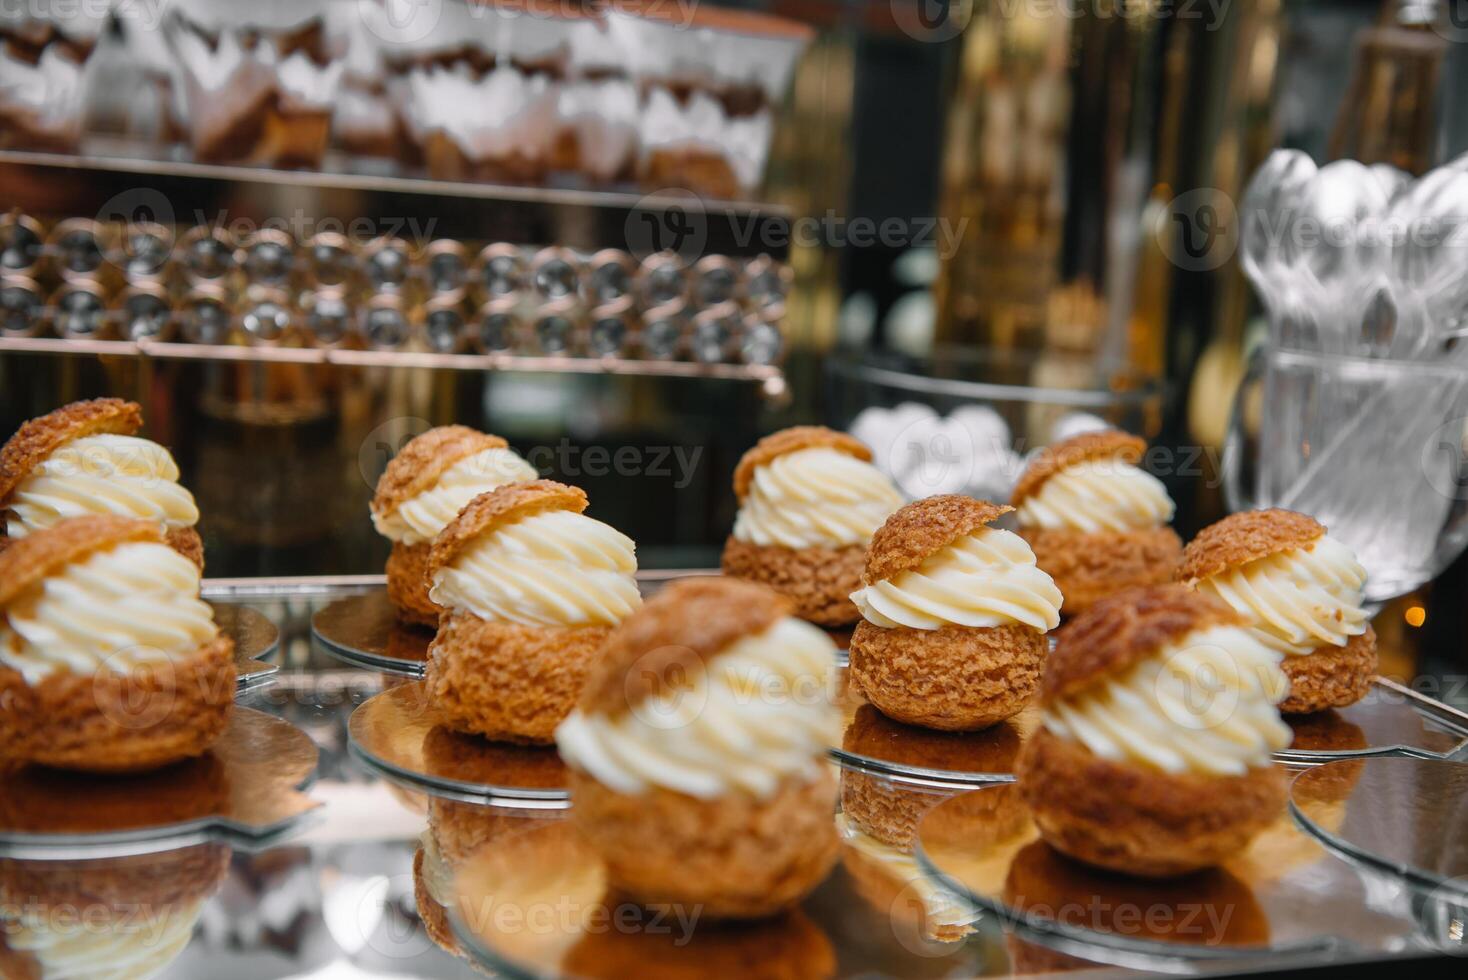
633, 237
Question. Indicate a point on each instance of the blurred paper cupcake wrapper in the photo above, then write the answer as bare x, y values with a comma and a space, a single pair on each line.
256, 92
43, 76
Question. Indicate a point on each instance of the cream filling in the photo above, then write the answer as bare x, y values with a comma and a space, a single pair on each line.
1203, 705
815, 498
68, 947
987, 578
102, 474
421, 518
1299, 600
940, 907
1098, 495
438, 878
554, 568
761, 713
131, 606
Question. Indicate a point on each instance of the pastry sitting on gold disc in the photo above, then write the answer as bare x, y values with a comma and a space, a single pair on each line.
85, 458
697, 751
1159, 722
1096, 520
809, 500
530, 586
421, 490
1302, 594
109, 661
954, 616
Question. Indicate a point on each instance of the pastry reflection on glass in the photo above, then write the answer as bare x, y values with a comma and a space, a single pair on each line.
456, 832
471, 759
530, 587
1302, 593
41, 800
809, 500
1154, 755
891, 881
541, 900
1097, 521
697, 751
889, 809
1327, 731
954, 615
86, 458
423, 488
1212, 907
111, 917
109, 661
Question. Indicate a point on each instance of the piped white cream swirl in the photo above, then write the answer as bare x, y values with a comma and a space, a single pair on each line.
420, 518
1299, 600
1205, 704
102, 474
761, 713
131, 947
815, 498
554, 568
133, 605
987, 578
1097, 495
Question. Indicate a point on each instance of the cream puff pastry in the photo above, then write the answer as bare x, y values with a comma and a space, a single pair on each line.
530, 586
1301, 592
109, 661
85, 458
954, 616
697, 751
421, 490
1096, 521
809, 500
1159, 723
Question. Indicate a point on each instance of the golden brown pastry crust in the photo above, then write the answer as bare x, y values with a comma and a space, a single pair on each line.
108, 722
502, 505
915, 532
37, 439
165, 881
43, 553
1244, 537
1088, 446
507, 682
817, 581
953, 679
787, 441
408, 584
1088, 567
470, 759
434, 916
736, 857
186, 541
893, 897
1330, 677
423, 460
1137, 820
673, 636
1124, 629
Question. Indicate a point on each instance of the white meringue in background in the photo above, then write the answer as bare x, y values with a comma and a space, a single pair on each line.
1077, 423
504, 112
603, 114
701, 123
966, 452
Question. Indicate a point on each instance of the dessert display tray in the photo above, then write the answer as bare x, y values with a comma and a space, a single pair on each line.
255, 637
1406, 817
857, 920
1283, 898
398, 734
245, 792
362, 629
1391, 721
